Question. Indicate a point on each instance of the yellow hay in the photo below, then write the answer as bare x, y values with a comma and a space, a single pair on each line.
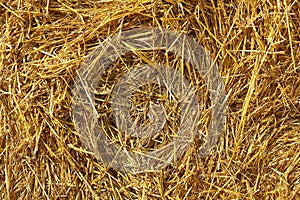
256, 45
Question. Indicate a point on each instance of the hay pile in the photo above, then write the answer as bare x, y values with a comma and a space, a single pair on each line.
256, 45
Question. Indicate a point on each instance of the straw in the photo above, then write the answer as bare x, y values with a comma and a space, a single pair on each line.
256, 46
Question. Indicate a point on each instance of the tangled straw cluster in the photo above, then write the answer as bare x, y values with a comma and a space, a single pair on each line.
254, 43
120, 110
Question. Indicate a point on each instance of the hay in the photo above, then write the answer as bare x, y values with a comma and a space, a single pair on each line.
256, 45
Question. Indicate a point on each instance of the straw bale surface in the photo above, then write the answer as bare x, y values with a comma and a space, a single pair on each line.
256, 45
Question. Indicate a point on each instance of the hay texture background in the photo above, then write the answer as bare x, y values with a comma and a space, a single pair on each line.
256, 45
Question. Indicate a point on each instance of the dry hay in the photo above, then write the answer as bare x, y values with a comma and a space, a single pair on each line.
254, 43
